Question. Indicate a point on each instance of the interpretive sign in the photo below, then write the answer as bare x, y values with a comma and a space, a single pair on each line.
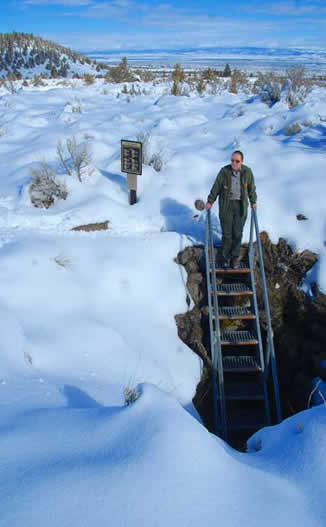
131, 163
131, 157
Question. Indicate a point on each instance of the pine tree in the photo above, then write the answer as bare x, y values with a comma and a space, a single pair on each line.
227, 71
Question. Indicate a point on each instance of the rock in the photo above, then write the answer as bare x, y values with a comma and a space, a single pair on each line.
195, 286
190, 258
302, 262
317, 307
199, 204
298, 323
191, 333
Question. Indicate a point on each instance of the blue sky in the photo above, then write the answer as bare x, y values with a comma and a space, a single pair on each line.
150, 24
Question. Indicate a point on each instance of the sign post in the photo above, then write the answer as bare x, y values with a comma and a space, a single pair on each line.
131, 163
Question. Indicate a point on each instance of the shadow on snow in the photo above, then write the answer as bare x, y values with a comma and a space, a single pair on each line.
183, 220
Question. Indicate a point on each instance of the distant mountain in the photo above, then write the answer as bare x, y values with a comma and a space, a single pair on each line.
24, 55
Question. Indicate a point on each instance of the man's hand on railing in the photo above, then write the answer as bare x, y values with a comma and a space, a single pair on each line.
208, 206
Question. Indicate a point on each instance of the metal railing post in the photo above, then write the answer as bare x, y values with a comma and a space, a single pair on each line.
211, 331
270, 356
215, 335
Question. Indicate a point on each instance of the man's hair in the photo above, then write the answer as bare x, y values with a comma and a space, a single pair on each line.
238, 152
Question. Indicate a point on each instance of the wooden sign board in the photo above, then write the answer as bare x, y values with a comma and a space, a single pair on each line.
131, 157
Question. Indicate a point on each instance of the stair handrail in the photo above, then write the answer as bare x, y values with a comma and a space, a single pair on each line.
270, 351
215, 334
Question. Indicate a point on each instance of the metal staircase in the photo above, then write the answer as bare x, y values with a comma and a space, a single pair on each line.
242, 363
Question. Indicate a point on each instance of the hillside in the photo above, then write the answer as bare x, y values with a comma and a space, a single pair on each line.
24, 55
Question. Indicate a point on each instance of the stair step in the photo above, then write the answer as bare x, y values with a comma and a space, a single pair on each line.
246, 420
240, 364
238, 338
243, 391
244, 268
235, 312
232, 289
243, 252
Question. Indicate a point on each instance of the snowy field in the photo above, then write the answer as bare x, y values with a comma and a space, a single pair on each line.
85, 316
244, 58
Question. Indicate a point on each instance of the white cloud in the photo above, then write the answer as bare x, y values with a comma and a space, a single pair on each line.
119, 9
68, 3
204, 37
168, 17
290, 8
165, 26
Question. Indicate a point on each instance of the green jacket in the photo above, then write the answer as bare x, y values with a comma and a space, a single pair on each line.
222, 188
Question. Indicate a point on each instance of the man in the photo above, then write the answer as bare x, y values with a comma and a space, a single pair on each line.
234, 184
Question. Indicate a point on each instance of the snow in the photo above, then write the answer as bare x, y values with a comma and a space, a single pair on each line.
38, 51
151, 463
86, 315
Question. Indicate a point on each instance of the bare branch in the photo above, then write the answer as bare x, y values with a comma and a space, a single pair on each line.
61, 156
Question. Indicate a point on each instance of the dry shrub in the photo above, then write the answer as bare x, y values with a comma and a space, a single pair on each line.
297, 86
176, 89
65, 83
269, 87
120, 73
292, 89
130, 395
75, 160
146, 139
215, 87
76, 108
37, 81
292, 129
145, 75
297, 77
201, 86
178, 73
62, 261
209, 75
89, 79
44, 188
155, 159
239, 80
11, 87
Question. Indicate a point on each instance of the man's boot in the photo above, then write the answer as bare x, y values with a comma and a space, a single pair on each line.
236, 262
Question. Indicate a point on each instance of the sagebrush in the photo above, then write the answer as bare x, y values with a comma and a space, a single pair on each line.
154, 158
44, 189
75, 160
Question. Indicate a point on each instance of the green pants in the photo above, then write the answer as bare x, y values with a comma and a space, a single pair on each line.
232, 224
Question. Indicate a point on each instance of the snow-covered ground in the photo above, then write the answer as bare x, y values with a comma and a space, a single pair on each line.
85, 316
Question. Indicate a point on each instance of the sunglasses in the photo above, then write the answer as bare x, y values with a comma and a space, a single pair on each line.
236, 160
